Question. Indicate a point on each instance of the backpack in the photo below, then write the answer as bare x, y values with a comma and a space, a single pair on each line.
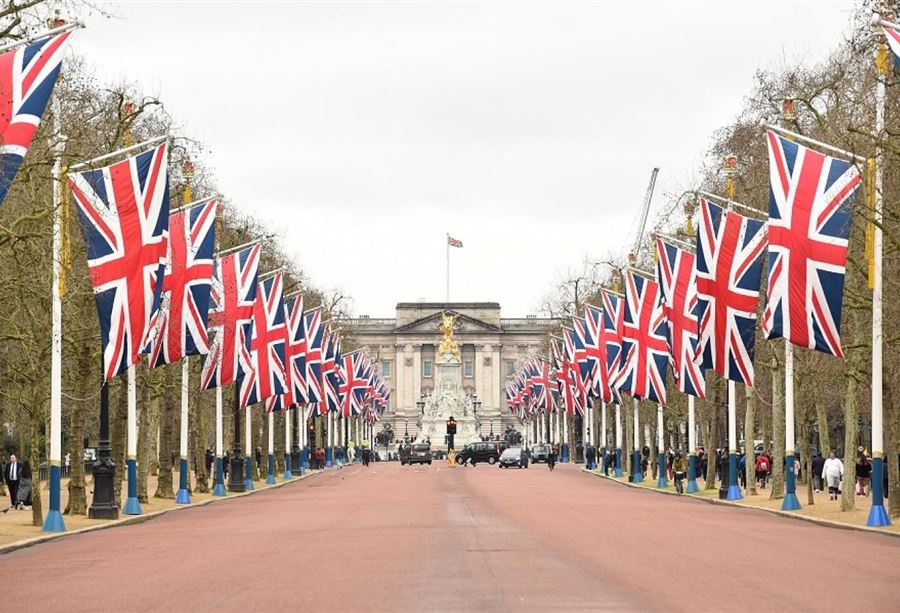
764, 464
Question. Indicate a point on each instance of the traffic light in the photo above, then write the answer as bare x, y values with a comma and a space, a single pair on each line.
451, 426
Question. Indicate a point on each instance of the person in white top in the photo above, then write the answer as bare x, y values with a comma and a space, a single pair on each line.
832, 473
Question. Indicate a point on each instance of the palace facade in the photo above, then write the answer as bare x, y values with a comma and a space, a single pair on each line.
492, 349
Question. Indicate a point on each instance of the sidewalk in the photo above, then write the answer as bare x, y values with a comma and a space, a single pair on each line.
16, 528
823, 511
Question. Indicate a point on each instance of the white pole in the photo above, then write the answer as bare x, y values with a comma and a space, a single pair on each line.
692, 426
185, 373
637, 426
618, 426
660, 439
588, 433
287, 432
788, 400
219, 433
732, 421
56, 307
248, 437
132, 415
603, 424
565, 427
271, 424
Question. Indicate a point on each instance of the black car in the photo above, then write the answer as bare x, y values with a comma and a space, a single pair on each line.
540, 453
513, 456
419, 453
479, 452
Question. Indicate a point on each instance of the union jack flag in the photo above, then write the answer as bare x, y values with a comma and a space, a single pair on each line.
314, 333
233, 295
294, 355
644, 347
677, 276
332, 372
124, 211
893, 40
262, 361
729, 270
571, 391
27, 77
587, 356
353, 385
810, 201
184, 308
611, 339
542, 386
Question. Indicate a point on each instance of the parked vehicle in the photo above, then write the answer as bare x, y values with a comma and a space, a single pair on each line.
514, 456
419, 453
540, 453
479, 452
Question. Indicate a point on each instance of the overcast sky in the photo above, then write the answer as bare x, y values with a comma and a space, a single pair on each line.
367, 131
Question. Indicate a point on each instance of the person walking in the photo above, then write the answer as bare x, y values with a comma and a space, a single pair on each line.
366, 453
208, 462
762, 470
818, 464
23, 492
832, 472
551, 457
11, 475
679, 471
863, 475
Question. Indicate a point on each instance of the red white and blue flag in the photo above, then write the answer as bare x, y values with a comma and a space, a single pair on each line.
27, 76
543, 384
588, 354
332, 370
294, 355
354, 384
262, 361
645, 349
233, 296
124, 211
314, 332
810, 200
184, 308
611, 340
677, 276
729, 271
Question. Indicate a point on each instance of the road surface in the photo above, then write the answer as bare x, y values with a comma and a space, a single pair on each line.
429, 538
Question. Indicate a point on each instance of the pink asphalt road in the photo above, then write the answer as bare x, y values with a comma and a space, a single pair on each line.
429, 538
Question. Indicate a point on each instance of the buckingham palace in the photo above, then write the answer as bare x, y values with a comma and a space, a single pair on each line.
491, 349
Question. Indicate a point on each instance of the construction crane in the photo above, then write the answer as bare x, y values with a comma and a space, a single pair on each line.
632, 257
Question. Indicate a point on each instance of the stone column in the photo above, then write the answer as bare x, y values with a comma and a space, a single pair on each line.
399, 399
417, 372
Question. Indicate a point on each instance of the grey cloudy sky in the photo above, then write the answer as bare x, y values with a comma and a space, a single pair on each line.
366, 131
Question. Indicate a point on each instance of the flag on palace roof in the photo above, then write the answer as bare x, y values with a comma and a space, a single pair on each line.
729, 270
27, 77
181, 327
644, 345
677, 276
262, 362
810, 203
453, 242
232, 294
124, 212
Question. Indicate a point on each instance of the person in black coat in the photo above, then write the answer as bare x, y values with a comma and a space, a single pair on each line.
11, 474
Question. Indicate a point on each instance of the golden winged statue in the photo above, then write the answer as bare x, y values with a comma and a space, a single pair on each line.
448, 345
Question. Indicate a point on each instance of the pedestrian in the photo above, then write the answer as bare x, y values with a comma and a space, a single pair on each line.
832, 472
551, 457
23, 492
68, 463
863, 475
590, 455
11, 475
818, 464
366, 453
762, 470
742, 470
208, 461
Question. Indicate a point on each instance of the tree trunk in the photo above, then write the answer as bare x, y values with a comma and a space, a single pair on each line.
145, 434
118, 418
77, 504
164, 487
824, 432
37, 511
777, 485
851, 414
199, 437
749, 438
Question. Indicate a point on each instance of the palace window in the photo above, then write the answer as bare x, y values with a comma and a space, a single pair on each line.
510, 368
468, 369
427, 366
385, 368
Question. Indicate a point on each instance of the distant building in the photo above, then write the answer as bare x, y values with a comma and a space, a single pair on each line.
492, 349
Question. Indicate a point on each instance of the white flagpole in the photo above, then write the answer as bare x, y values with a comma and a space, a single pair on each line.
619, 471
184, 495
877, 514
288, 426
790, 503
219, 487
636, 469
734, 492
251, 456
54, 521
270, 459
661, 481
132, 506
